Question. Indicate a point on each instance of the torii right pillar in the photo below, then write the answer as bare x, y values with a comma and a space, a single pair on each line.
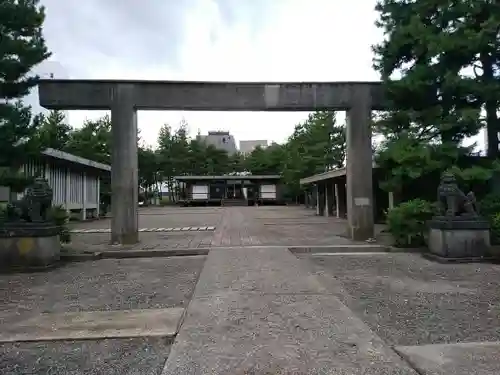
359, 160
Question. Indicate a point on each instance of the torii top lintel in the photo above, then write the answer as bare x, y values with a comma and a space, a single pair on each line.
208, 96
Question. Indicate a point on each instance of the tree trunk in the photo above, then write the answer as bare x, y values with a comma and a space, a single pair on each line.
492, 129
170, 184
491, 104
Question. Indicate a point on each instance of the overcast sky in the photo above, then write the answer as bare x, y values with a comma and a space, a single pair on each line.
240, 40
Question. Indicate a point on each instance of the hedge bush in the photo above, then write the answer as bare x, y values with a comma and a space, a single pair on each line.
489, 206
61, 218
495, 228
407, 222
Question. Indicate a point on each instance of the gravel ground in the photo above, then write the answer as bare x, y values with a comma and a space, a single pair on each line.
408, 300
114, 284
107, 357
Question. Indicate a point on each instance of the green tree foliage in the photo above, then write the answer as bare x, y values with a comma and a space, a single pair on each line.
180, 149
316, 145
198, 164
22, 47
266, 161
17, 135
149, 171
431, 44
54, 131
166, 162
179, 155
217, 160
148, 167
92, 141
236, 163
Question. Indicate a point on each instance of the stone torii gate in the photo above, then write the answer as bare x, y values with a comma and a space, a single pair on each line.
124, 98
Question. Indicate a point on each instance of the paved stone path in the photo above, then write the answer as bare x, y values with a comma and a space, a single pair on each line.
260, 311
233, 227
184, 229
256, 309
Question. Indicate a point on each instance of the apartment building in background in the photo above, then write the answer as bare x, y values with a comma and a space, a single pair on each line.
247, 147
222, 140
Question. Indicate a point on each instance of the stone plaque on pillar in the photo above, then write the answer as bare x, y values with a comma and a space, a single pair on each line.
362, 201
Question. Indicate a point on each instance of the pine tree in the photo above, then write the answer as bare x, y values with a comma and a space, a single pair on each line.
92, 141
54, 131
22, 47
432, 44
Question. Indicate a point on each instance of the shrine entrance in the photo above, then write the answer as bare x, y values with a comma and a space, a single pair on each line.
124, 98
234, 190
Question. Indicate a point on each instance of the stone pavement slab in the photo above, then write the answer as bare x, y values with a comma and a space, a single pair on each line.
103, 285
259, 270
138, 356
262, 311
95, 325
457, 359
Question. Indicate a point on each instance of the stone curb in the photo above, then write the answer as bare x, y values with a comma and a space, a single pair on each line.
147, 230
339, 249
394, 249
96, 325
77, 257
123, 254
444, 260
368, 248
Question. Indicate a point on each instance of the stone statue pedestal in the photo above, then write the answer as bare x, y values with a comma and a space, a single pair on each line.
25, 245
459, 238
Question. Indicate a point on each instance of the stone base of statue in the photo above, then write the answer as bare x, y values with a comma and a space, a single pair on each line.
459, 239
29, 245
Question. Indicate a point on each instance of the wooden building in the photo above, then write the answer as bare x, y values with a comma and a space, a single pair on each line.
75, 181
230, 190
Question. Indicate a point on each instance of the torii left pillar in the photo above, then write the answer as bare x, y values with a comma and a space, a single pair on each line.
359, 160
124, 172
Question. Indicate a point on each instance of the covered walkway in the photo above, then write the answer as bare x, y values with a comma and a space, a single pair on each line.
326, 193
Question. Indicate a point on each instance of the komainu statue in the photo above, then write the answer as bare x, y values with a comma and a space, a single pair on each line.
452, 201
34, 206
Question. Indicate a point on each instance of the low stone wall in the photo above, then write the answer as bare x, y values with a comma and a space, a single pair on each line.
29, 245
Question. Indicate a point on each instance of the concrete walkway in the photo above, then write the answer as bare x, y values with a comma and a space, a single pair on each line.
261, 311
252, 307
